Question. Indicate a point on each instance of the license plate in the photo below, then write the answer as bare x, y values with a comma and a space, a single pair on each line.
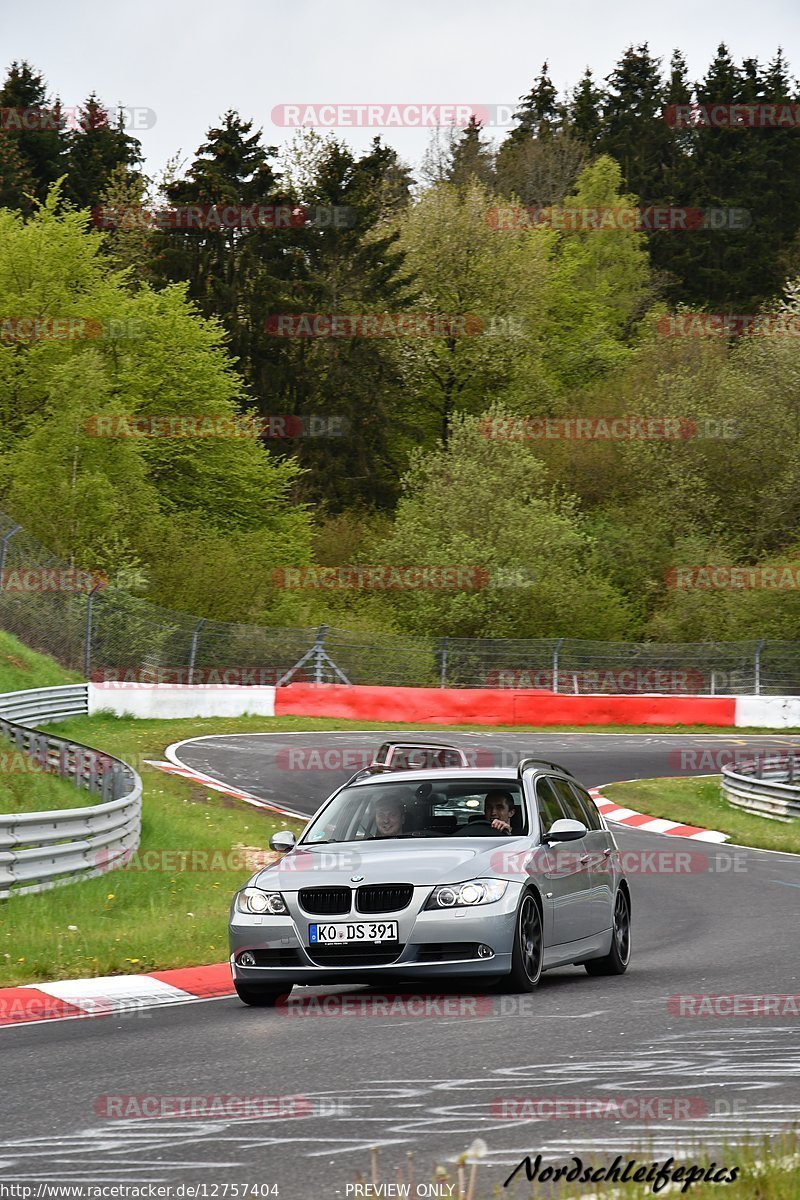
358, 931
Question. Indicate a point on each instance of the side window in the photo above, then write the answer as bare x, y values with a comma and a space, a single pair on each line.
592, 817
569, 801
547, 803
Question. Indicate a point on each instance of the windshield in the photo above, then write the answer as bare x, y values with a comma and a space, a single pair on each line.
444, 808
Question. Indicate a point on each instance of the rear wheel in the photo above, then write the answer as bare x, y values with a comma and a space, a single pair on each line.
528, 952
618, 957
260, 997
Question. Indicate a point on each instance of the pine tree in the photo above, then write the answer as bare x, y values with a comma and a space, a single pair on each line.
95, 149
17, 184
472, 158
585, 110
634, 130
38, 155
356, 269
538, 113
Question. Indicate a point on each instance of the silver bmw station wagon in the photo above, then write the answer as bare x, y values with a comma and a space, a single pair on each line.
422, 867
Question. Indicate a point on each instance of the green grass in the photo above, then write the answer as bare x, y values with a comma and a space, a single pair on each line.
24, 787
23, 668
699, 801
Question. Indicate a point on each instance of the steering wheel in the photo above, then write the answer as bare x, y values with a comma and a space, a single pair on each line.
481, 824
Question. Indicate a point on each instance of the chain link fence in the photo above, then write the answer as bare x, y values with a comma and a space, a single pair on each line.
105, 633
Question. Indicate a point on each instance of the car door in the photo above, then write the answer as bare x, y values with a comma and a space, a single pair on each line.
601, 862
564, 865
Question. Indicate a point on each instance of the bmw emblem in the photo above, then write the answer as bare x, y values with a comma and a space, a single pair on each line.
356, 878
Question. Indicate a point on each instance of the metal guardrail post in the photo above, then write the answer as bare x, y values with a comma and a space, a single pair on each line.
443, 671
757, 667
558, 646
193, 648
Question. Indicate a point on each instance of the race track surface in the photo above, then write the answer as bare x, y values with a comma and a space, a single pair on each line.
431, 1084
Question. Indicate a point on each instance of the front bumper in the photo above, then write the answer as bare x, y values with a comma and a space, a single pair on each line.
432, 944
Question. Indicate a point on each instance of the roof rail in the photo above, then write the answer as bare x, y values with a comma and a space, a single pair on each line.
525, 763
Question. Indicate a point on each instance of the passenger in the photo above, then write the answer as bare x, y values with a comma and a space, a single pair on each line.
498, 808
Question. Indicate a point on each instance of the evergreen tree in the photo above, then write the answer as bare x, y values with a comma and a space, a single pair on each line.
538, 112
634, 130
585, 110
95, 149
37, 157
472, 158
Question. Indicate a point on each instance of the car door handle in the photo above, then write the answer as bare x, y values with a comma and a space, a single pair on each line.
585, 859
607, 853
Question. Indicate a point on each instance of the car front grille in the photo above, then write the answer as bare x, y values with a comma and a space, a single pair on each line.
325, 902
354, 956
384, 897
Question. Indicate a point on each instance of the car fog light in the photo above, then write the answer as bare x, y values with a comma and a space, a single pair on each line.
485, 952
246, 959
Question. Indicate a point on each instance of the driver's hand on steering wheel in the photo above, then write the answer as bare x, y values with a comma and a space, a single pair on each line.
503, 826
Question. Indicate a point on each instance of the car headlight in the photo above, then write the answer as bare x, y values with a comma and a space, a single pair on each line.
253, 900
467, 895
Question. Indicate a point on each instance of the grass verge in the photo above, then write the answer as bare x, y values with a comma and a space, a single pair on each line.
699, 801
762, 1170
23, 668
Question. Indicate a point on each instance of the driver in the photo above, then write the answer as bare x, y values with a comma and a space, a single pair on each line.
498, 808
389, 812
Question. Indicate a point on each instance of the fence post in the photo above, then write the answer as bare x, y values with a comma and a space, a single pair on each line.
3, 546
757, 666
559, 644
87, 637
193, 648
443, 671
319, 653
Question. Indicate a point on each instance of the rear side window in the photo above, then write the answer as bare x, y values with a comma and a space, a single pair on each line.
569, 801
547, 803
592, 817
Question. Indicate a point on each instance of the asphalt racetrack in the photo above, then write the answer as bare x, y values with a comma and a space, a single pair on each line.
432, 1084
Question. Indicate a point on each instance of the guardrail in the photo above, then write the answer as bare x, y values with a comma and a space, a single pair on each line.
40, 850
765, 789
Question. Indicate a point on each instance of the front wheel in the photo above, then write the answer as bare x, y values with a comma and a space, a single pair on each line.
260, 997
618, 957
528, 952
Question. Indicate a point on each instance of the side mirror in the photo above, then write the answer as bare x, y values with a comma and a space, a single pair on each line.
563, 831
283, 841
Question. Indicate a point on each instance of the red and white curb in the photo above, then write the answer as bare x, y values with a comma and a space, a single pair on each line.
632, 818
177, 768
114, 995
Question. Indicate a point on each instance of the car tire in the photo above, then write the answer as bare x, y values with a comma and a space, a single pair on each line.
260, 997
528, 952
618, 957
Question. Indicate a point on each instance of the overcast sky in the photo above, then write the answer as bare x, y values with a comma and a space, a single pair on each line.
189, 62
